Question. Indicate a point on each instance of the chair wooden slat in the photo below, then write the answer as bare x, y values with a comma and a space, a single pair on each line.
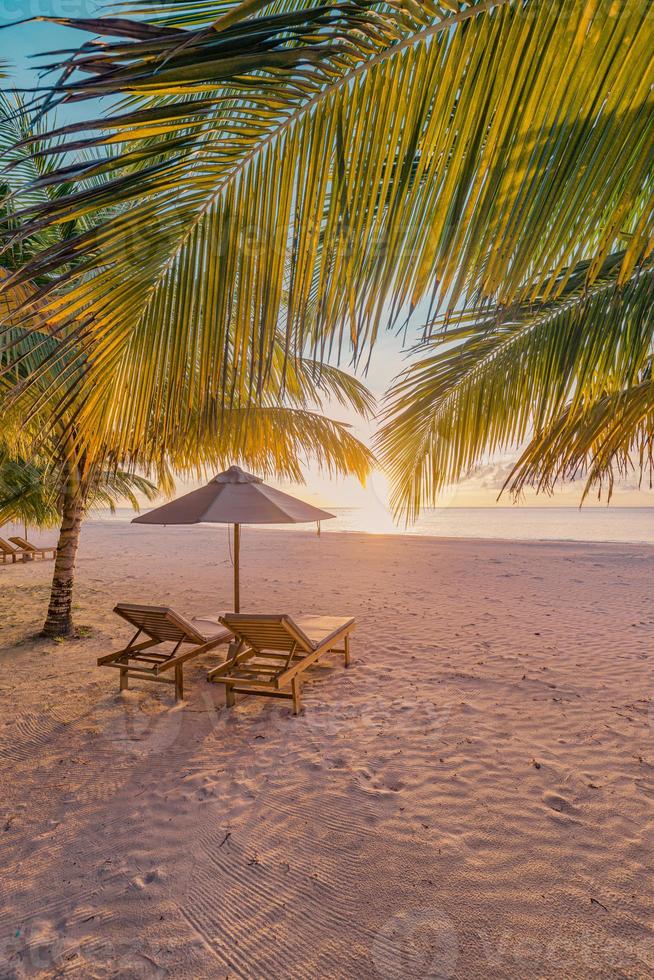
7, 551
26, 548
160, 624
295, 644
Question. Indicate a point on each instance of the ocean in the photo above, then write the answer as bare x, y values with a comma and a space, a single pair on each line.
620, 524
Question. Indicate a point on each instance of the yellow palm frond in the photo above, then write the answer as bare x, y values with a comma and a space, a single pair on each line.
495, 377
612, 437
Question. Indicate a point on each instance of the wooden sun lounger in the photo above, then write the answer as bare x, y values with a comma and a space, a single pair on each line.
159, 624
29, 550
9, 553
271, 653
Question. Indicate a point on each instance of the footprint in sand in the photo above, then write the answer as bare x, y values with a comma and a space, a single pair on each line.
154, 877
387, 782
555, 801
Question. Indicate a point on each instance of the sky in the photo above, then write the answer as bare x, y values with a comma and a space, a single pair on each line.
480, 489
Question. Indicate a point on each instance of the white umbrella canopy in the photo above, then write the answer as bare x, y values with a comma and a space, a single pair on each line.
235, 497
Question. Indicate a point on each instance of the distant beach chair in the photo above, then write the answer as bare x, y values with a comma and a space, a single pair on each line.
270, 653
159, 624
7, 552
29, 550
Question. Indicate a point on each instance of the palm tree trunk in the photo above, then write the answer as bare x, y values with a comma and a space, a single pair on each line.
59, 621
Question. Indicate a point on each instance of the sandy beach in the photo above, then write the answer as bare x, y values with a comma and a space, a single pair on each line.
473, 797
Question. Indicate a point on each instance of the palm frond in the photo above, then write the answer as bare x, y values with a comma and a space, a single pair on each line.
495, 377
132, 405
273, 441
112, 487
31, 491
367, 155
307, 382
611, 438
275, 435
27, 494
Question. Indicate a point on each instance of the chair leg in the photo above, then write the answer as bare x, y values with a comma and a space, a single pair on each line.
346, 648
230, 697
179, 682
124, 679
295, 688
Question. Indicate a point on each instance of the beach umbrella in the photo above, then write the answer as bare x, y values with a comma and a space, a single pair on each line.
235, 497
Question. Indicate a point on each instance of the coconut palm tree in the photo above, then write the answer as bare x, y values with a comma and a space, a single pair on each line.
321, 170
274, 433
47, 490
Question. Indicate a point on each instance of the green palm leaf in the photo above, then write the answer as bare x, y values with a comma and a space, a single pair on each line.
30, 491
27, 495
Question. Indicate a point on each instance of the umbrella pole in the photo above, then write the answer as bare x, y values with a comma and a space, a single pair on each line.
237, 548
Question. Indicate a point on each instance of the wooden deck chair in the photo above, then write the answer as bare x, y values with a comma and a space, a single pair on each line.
270, 653
29, 550
159, 624
8, 552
